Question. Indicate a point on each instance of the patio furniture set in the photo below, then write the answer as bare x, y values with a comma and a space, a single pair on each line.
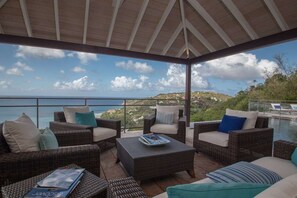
81, 144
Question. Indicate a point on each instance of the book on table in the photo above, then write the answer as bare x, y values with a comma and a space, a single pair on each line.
59, 184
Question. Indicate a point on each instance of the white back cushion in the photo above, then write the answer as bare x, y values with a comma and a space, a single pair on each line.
69, 112
251, 117
170, 109
21, 135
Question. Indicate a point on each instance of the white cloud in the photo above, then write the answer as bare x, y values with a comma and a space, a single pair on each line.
38, 78
62, 71
2, 68
23, 66
135, 66
14, 71
81, 84
39, 52
83, 56
4, 84
127, 83
78, 69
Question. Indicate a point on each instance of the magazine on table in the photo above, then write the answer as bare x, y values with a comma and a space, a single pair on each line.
154, 139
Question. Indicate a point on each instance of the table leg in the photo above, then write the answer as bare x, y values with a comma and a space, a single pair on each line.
191, 173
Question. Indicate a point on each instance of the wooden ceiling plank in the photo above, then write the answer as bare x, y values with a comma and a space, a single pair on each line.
211, 22
276, 14
86, 21
2, 3
138, 21
57, 21
240, 18
182, 12
160, 25
181, 51
199, 36
172, 38
26, 17
117, 4
193, 50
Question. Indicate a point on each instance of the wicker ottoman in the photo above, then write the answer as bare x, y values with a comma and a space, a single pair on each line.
125, 188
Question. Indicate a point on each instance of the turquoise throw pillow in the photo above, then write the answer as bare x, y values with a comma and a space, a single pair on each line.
86, 118
47, 140
215, 190
231, 123
294, 157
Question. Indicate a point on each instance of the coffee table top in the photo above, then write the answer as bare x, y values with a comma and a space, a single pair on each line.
136, 149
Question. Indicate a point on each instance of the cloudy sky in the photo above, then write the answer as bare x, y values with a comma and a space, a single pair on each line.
31, 71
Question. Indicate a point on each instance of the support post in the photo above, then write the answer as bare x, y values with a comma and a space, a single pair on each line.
188, 92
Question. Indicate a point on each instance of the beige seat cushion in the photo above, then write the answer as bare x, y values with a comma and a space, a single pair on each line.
164, 128
170, 109
215, 137
102, 133
285, 188
280, 166
21, 135
251, 117
69, 112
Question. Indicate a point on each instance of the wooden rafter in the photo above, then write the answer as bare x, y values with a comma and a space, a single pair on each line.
1, 29
240, 18
182, 12
117, 5
26, 17
193, 50
2, 2
172, 38
57, 22
137, 23
199, 36
181, 51
211, 22
276, 14
86, 21
160, 25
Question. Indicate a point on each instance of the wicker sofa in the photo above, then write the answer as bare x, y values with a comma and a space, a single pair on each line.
280, 163
60, 124
18, 166
242, 145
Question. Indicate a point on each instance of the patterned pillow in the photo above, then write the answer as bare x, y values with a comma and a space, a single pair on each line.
164, 118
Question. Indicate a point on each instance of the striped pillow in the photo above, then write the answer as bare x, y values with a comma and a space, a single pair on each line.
164, 118
244, 172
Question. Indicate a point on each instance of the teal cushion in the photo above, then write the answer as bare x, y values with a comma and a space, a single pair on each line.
86, 119
294, 157
47, 140
215, 190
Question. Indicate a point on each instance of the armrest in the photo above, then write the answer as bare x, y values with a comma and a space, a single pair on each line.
18, 166
75, 137
65, 126
182, 124
284, 149
148, 122
112, 124
202, 127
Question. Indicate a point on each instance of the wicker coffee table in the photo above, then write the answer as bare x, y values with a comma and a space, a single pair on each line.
145, 162
90, 186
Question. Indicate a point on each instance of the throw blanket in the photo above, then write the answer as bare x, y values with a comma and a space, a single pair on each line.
244, 172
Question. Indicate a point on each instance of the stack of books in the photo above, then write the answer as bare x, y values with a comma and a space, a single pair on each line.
153, 139
59, 184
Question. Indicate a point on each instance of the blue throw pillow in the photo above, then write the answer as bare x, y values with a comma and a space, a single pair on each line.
47, 140
164, 118
231, 123
215, 190
86, 119
294, 157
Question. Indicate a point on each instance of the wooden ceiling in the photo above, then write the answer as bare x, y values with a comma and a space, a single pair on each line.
176, 29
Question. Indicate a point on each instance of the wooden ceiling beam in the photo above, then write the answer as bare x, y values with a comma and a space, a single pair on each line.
2, 3
199, 36
1, 29
86, 21
181, 51
57, 21
137, 23
26, 17
193, 50
117, 4
211, 22
160, 25
276, 14
240, 18
172, 38
182, 12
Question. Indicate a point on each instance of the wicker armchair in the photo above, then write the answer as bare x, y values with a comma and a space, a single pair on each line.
181, 131
18, 166
247, 145
60, 124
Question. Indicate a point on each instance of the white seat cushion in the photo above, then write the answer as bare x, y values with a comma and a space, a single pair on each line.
215, 137
102, 133
251, 117
69, 112
280, 166
164, 128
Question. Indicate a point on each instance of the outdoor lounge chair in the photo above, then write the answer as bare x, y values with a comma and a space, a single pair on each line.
18, 166
278, 107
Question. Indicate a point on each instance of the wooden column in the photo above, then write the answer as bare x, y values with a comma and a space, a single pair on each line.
188, 92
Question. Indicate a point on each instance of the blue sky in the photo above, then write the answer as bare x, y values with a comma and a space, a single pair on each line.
30, 71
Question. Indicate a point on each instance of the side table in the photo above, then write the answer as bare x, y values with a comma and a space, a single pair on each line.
90, 186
